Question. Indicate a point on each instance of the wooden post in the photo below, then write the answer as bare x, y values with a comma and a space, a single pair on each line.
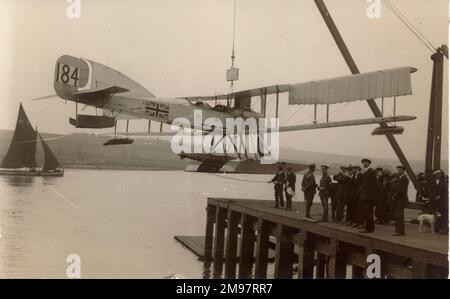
337, 266
438, 59
284, 252
320, 266
209, 237
305, 256
358, 272
262, 249
231, 244
430, 133
418, 269
209, 232
247, 246
219, 242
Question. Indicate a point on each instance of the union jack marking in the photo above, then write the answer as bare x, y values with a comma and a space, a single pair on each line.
157, 110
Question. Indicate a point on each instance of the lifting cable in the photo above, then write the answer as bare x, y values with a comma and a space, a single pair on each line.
410, 25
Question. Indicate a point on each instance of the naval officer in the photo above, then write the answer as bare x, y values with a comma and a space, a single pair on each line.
309, 188
368, 194
279, 180
324, 191
401, 199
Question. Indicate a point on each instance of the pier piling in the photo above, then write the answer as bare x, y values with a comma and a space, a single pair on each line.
240, 234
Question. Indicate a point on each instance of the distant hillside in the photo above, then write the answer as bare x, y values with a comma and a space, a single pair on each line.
87, 151
335, 161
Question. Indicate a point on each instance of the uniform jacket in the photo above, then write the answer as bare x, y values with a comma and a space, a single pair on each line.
401, 190
439, 192
369, 185
309, 183
291, 179
355, 191
342, 185
279, 179
324, 186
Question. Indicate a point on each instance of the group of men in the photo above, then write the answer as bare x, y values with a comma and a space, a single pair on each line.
284, 183
360, 196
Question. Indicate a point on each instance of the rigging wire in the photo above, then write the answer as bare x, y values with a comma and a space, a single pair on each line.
341, 109
409, 25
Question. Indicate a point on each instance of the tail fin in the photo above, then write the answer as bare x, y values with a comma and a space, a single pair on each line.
74, 75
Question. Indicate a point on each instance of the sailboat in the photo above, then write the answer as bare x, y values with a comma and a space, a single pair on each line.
20, 160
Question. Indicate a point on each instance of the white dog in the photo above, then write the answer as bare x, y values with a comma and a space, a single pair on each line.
430, 219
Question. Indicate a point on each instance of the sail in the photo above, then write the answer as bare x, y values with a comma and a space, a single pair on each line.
22, 151
51, 162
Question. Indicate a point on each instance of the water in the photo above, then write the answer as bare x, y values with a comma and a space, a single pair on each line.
120, 223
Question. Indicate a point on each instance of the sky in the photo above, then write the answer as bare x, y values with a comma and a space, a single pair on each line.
183, 47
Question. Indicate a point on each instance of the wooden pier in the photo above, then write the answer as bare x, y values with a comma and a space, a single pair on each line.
309, 249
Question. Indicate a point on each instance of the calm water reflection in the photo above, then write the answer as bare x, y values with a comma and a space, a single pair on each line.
121, 223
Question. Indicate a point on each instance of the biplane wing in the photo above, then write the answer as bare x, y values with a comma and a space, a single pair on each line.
370, 85
93, 84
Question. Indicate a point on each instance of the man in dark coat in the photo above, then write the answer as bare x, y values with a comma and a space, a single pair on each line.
291, 179
368, 194
354, 194
342, 192
279, 180
401, 199
381, 201
439, 198
333, 200
324, 191
309, 188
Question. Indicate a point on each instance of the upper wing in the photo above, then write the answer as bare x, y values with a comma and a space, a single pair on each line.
364, 86
359, 87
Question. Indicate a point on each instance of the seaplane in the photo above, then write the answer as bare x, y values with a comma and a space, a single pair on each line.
90, 83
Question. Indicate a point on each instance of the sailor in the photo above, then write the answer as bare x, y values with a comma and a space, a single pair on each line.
401, 199
309, 188
342, 192
279, 180
289, 189
324, 191
368, 194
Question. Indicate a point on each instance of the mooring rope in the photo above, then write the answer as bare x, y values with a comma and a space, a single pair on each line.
236, 179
